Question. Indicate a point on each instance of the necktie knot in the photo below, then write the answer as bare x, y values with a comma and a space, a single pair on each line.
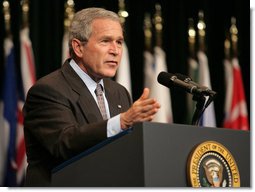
99, 90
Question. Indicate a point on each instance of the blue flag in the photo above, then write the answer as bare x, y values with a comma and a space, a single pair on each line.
10, 112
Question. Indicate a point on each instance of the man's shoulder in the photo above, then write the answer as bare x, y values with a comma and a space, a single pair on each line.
55, 76
50, 78
52, 82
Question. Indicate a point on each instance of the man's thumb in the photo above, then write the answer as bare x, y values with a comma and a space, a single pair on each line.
146, 92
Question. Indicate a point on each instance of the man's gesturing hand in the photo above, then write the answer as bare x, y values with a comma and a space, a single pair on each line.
143, 109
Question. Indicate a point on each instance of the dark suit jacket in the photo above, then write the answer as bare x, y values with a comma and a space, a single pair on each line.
61, 119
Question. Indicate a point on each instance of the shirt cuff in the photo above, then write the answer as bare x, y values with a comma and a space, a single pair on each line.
113, 126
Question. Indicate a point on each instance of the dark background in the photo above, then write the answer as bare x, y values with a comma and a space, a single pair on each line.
46, 31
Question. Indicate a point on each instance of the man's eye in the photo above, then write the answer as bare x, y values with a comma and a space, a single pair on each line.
105, 40
120, 42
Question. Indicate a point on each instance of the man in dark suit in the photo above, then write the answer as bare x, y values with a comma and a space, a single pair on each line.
63, 115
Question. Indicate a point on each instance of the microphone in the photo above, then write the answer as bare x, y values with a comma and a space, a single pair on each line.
199, 92
188, 80
170, 80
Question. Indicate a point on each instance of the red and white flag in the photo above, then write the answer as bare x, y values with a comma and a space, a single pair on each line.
228, 69
27, 60
28, 79
237, 116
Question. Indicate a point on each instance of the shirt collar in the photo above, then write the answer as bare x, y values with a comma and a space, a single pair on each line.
89, 82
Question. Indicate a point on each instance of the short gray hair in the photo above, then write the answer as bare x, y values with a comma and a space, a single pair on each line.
80, 27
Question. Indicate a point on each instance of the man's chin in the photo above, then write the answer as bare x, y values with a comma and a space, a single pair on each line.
110, 74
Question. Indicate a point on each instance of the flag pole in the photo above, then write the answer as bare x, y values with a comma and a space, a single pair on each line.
147, 32
227, 47
123, 14
69, 13
201, 31
192, 39
7, 17
25, 11
158, 22
234, 36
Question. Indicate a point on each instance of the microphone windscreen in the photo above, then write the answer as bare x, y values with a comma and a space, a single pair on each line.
164, 78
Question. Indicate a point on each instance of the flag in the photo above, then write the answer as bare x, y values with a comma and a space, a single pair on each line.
65, 48
208, 117
238, 115
149, 69
13, 155
10, 114
228, 70
193, 74
28, 79
123, 75
27, 60
153, 66
3, 144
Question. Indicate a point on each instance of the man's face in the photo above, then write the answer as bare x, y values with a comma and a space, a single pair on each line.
102, 53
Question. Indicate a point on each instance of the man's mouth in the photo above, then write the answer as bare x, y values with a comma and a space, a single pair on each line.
115, 63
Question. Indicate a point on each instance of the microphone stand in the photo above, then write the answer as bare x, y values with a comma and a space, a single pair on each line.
199, 108
201, 105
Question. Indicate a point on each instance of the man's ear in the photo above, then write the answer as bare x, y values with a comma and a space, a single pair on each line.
77, 47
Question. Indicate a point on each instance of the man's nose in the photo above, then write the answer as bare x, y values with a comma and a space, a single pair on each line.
114, 49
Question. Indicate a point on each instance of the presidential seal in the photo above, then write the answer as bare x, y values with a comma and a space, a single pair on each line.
211, 164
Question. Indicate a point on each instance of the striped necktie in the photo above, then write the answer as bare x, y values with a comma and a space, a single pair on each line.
100, 100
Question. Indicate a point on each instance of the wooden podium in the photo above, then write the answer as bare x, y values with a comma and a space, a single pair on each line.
150, 155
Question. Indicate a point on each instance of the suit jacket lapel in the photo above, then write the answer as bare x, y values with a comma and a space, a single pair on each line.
112, 98
89, 107
86, 101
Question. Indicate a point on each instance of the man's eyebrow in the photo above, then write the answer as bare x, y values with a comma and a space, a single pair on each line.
121, 39
111, 37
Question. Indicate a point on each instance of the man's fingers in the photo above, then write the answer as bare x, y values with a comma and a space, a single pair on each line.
146, 102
